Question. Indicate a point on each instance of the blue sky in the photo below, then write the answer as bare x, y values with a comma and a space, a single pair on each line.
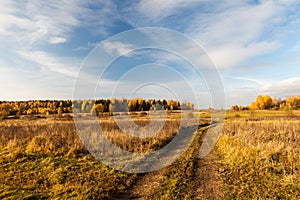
255, 45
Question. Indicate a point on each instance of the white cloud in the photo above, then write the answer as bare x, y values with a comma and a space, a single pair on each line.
236, 34
11, 20
51, 63
283, 88
22, 80
236, 25
244, 90
117, 48
57, 40
236, 94
241, 97
231, 55
26, 30
41, 21
32, 21
231, 31
157, 9
257, 81
52, 18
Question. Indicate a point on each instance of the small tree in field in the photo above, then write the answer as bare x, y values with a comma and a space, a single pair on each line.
59, 112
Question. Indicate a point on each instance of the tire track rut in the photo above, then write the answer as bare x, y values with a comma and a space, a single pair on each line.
205, 180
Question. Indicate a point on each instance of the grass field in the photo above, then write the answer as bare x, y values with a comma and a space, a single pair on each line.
256, 157
260, 159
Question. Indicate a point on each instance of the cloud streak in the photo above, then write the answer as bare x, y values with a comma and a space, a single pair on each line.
224, 28
51, 63
283, 88
40, 21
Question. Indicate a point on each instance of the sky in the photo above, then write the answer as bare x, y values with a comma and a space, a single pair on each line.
252, 46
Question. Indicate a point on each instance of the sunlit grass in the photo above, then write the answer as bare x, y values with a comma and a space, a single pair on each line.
45, 158
260, 159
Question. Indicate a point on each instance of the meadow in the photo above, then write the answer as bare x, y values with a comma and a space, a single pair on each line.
256, 157
259, 159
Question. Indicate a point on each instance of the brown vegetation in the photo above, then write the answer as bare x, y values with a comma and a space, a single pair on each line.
257, 157
45, 158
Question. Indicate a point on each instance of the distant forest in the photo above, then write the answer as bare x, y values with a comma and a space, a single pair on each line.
269, 103
48, 107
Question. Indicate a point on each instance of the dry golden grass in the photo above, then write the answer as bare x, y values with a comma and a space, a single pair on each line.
260, 158
257, 157
136, 144
45, 158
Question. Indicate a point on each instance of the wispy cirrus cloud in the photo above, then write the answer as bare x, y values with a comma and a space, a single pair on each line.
257, 81
153, 12
237, 35
231, 31
37, 35
231, 36
40, 21
48, 62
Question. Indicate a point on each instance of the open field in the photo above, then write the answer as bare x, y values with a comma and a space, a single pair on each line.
46, 159
252, 114
260, 159
257, 157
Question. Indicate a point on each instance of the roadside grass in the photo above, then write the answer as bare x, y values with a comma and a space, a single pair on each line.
230, 114
260, 159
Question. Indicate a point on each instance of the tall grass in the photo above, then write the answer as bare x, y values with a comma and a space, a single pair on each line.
45, 158
260, 158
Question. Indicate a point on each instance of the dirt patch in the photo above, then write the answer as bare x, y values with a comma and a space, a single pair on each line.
146, 185
207, 179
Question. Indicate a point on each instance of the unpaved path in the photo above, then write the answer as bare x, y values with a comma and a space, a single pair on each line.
146, 185
208, 183
206, 180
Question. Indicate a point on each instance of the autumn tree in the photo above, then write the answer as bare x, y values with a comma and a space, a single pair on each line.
235, 108
267, 102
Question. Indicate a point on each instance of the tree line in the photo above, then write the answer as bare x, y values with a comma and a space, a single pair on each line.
268, 103
48, 107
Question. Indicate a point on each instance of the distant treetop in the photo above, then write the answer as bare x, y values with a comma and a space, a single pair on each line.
269, 103
47, 107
